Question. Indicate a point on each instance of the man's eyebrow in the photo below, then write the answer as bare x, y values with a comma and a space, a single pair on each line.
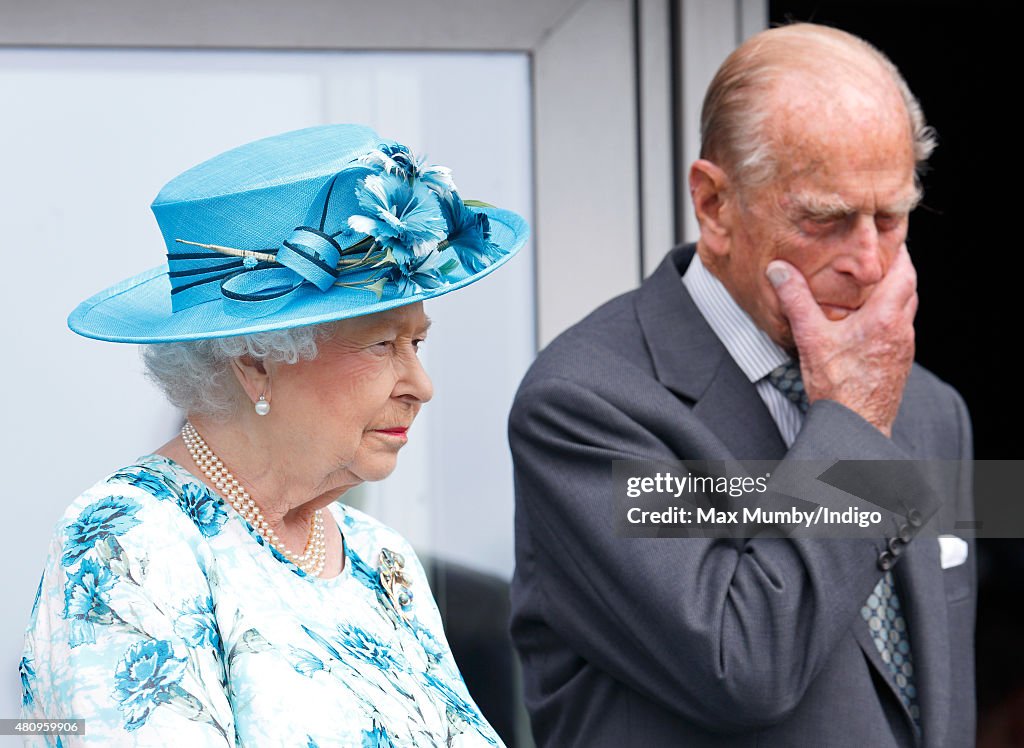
904, 205
833, 206
820, 206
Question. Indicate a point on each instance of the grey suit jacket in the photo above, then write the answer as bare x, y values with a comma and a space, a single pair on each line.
700, 642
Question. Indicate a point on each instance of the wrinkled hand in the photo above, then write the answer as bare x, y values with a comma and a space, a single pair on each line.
863, 360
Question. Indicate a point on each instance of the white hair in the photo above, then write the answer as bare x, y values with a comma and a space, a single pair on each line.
734, 114
195, 375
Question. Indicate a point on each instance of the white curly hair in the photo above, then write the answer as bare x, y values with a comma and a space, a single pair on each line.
195, 375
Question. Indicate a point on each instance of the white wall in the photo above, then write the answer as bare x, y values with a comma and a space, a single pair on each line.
709, 30
86, 141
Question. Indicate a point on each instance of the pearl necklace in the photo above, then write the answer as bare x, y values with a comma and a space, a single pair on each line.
313, 555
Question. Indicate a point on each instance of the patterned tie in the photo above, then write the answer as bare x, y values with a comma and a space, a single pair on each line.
882, 611
787, 380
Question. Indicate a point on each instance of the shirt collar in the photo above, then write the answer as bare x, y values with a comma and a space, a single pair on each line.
750, 347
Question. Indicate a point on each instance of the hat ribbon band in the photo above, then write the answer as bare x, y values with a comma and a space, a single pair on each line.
264, 282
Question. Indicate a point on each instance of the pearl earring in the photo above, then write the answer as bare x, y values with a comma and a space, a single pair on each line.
262, 406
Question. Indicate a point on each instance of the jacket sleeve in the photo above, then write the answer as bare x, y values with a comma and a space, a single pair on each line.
113, 642
726, 633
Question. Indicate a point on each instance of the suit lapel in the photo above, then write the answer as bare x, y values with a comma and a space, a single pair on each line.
691, 361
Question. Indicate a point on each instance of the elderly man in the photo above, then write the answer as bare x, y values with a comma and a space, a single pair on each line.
785, 334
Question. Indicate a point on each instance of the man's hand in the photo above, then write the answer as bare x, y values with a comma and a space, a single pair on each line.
861, 361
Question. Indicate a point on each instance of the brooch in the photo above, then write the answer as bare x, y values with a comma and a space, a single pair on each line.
395, 583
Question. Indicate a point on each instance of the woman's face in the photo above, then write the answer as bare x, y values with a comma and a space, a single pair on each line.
345, 414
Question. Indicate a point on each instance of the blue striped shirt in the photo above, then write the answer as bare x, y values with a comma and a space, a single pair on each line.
750, 347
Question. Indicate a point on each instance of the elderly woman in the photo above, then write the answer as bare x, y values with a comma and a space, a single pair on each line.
215, 592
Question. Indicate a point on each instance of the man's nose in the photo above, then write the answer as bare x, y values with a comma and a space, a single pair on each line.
864, 256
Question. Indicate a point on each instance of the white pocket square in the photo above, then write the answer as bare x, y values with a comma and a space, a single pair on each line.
952, 551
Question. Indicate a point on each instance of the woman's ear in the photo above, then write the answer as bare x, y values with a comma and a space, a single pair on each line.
709, 188
253, 375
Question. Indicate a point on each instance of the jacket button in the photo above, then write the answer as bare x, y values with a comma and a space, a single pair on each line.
885, 560
914, 518
895, 546
905, 534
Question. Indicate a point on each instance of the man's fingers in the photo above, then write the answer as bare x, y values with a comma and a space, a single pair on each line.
898, 286
795, 297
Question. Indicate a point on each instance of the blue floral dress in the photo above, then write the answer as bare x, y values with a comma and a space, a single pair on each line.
160, 621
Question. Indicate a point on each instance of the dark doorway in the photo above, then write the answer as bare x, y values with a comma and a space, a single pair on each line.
956, 56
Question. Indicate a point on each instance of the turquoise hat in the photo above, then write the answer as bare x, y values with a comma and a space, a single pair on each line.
311, 226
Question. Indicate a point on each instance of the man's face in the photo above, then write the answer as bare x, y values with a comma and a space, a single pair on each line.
837, 210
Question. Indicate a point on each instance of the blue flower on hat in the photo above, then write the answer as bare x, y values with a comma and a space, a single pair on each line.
402, 216
395, 158
416, 273
469, 234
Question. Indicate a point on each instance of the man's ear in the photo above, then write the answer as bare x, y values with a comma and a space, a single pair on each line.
253, 375
709, 188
